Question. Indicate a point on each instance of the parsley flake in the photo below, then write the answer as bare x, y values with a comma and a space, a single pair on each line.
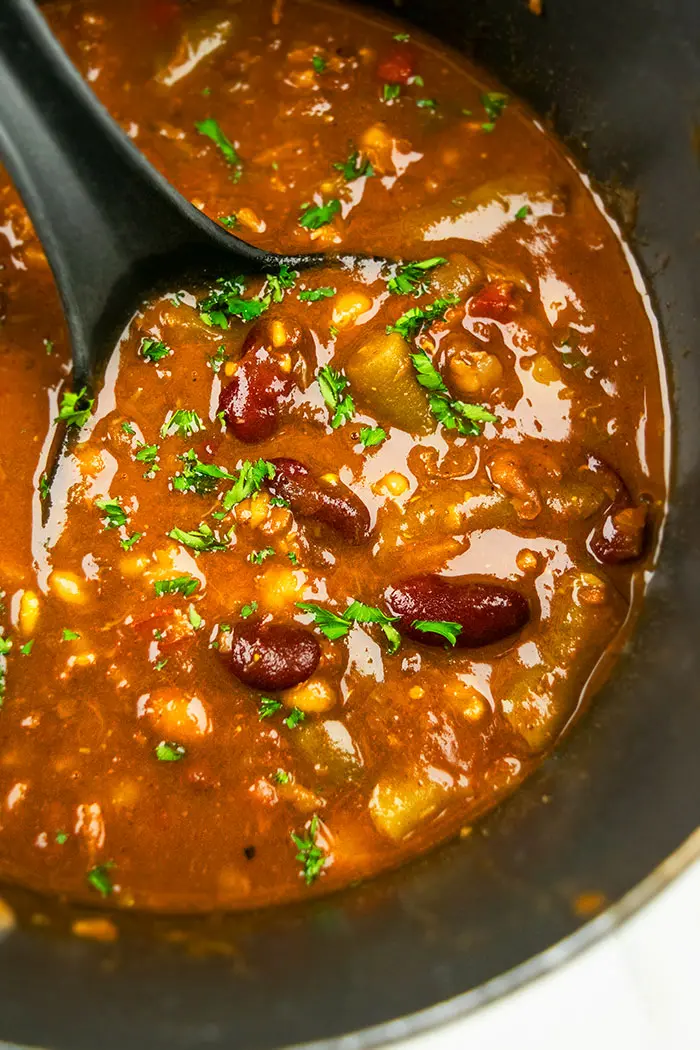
69, 636
75, 409
154, 350
522, 213
391, 92
212, 130
258, 557
246, 611
313, 295
445, 628
410, 323
27, 647
197, 476
355, 167
314, 216
195, 619
100, 879
279, 283
412, 278
453, 415
201, 539
319, 63
250, 479
129, 542
294, 718
185, 585
310, 855
167, 751
268, 707
184, 421
332, 385
336, 626
371, 436
113, 514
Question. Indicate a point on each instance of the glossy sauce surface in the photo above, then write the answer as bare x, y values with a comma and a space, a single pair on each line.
336, 553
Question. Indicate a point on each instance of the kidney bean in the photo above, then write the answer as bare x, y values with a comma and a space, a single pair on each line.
252, 402
486, 612
309, 497
398, 65
273, 656
621, 534
496, 300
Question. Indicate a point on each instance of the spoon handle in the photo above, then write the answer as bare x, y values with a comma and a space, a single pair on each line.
108, 222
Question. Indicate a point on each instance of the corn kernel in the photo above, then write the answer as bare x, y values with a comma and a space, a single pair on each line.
526, 560
544, 370
330, 479
68, 587
416, 692
278, 333
393, 483
312, 697
28, 613
230, 368
349, 307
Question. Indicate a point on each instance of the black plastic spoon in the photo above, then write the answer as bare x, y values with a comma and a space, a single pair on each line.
111, 226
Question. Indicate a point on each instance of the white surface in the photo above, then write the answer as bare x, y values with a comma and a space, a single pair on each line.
638, 989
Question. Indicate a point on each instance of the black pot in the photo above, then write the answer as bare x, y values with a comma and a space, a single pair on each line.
476, 918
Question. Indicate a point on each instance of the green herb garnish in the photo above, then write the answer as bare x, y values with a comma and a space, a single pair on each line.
201, 539
310, 855
294, 718
279, 283
454, 415
410, 323
197, 476
494, 102
312, 295
113, 514
280, 777
332, 386
195, 619
335, 625
100, 879
370, 436
249, 481
391, 92
185, 585
185, 422
75, 409
246, 611
128, 543
355, 167
227, 301
61, 838
522, 213
319, 63
166, 751
268, 707
69, 636
27, 647
412, 278
212, 130
445, 628
314, 216
258, 557
153, 350
426, 103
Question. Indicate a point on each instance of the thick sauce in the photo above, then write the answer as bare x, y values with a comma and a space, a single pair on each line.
335, 553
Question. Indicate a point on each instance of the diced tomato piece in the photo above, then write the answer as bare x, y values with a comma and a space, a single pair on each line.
496, 300
162, 14
398, 65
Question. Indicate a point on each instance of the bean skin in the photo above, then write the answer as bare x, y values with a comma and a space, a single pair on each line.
621, 534
333, 505
253, 401
486, 612
273, 656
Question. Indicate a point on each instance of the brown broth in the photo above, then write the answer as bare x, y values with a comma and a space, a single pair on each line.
550, 333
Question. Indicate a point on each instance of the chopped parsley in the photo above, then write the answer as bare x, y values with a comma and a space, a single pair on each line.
229, 220
319, 63
391, 92
166, 751
246, 611
336, 626
69, 636
75, 409
312, 295
27, 647
268, 707
100, 879
494, 102
355, 167
194, 617
410, 323
412, 278
184, 421
332, 386
227, 301
43, 487
403, 38
258, 557
281, 777
522, 213
454, 415
250, 478
61, 838
279, 283
129, 542
311, 857
217, 359
292, 557
445, 628
5, 645
148, 454
201, 539
370, 436
127, 428
294, 718
426, 103
212, 130
197, 476
314, 216
161, 664
113, 514
48, 346
154, 350
186, 585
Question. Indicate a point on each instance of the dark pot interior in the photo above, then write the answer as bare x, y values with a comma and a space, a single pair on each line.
621, 82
